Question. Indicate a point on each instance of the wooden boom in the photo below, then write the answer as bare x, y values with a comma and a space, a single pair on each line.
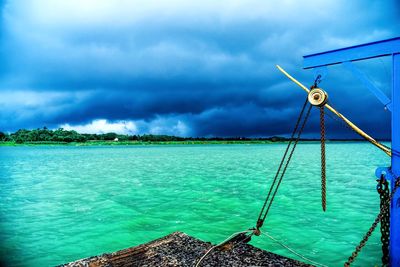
337, 113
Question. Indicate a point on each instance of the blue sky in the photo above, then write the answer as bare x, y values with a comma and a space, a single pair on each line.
188, 68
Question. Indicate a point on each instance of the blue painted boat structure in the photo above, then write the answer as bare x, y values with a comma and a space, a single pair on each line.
345, 56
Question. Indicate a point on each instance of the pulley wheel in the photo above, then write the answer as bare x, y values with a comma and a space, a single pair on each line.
317, 97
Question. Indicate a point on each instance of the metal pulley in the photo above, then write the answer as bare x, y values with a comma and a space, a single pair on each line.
317, 97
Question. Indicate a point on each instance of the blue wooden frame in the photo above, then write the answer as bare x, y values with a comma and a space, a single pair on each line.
345, 56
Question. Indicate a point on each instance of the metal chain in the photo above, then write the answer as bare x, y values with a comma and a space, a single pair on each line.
284, 156
384, 194
323, 159
384, 210
277, 181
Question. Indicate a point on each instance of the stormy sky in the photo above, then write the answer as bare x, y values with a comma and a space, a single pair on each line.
187, 68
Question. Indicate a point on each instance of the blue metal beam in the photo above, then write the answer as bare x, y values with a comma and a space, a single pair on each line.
364, 79
395, 204
353, 53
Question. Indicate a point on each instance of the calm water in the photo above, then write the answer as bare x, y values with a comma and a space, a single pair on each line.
60, 204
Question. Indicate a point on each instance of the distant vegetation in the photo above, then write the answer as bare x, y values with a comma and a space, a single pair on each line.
62, 136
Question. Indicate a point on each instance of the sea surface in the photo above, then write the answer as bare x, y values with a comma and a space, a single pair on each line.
62, 203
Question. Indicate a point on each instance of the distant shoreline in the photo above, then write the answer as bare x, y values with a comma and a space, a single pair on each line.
186, 142
44, 136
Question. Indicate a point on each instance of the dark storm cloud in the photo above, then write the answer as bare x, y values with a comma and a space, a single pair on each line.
200, 68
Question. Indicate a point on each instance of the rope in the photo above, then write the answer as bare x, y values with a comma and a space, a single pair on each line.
294, 252
263, 213
213, 247
267, 235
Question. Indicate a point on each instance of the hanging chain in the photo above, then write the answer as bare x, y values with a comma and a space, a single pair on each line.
323, 160
384, 194
382, 213
321, 106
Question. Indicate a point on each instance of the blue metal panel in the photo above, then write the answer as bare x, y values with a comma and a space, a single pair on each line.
353, 53
364, 79
395, 204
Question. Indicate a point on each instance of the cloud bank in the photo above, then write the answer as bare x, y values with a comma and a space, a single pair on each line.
198, 68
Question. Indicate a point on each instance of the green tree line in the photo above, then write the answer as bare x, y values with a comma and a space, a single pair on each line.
68, 136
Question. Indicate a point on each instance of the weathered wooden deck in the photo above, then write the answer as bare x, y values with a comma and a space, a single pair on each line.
179, 249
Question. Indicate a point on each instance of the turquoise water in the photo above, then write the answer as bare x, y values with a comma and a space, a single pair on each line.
59, 203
